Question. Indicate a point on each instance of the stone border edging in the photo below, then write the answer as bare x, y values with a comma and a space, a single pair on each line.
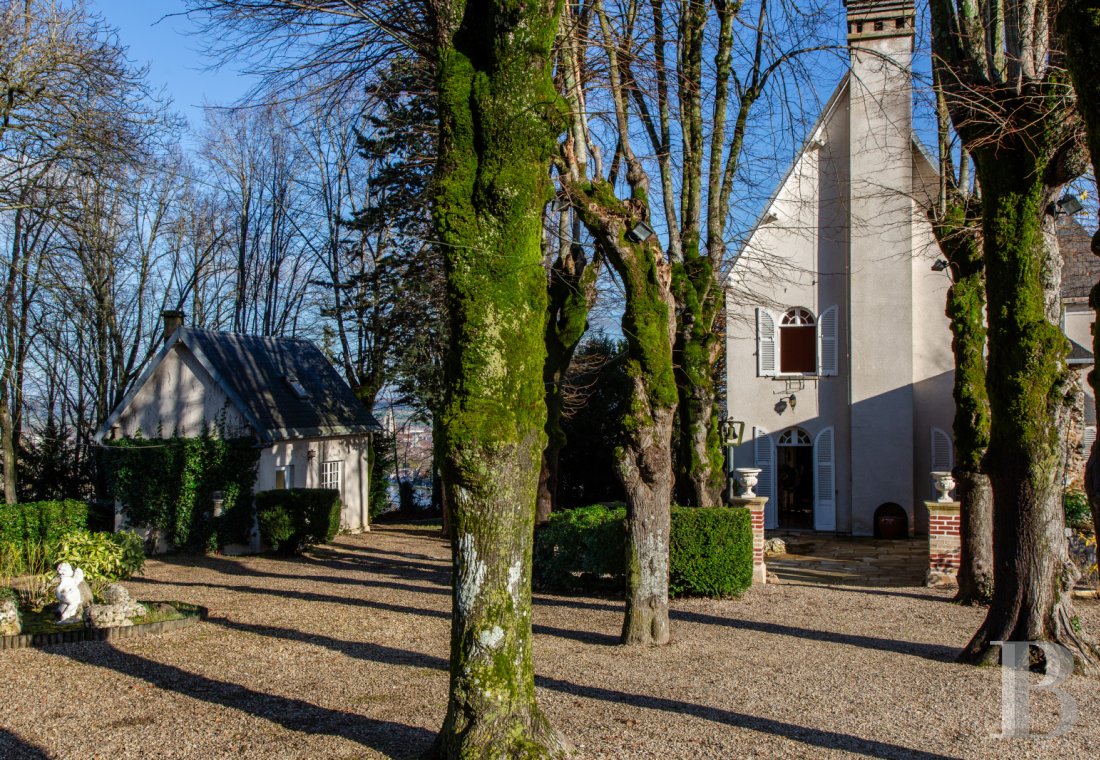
25, 640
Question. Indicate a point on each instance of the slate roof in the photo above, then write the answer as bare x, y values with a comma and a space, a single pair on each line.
1080, 269
257, 373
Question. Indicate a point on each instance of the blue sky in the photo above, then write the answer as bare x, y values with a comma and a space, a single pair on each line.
172, 51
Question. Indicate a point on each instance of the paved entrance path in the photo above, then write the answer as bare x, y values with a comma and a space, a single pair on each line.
822, 559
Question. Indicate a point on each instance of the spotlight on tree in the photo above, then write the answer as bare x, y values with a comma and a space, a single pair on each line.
640, 233
940, 265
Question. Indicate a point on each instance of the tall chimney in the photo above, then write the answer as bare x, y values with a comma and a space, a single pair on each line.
870, 19
173, 320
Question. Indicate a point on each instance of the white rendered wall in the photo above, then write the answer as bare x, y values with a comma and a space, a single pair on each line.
881, 275
351, 451
180, 398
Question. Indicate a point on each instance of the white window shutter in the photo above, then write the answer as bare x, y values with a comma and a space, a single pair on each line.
1089, 437
765, 484
824, 481
828, 356
943, 455
765, 343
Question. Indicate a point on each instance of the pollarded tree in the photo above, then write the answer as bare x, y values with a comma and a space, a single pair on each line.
1079, 23
644, 460
499, 117
1014, 110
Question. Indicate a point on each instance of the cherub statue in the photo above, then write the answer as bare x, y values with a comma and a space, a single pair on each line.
71, 602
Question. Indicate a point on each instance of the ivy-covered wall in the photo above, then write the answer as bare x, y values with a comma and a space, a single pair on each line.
169, 484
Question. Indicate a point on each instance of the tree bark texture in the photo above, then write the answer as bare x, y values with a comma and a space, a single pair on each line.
699, 473
1033, 576
644, 461
571, 289
958, 234
499, 116
1079, 23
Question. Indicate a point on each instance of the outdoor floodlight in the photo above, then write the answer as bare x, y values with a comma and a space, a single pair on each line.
940, 265
640, 233
1069, 204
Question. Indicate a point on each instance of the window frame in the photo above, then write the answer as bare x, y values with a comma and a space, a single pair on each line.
326, 473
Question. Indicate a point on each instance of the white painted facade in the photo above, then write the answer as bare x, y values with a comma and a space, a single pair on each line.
846, 239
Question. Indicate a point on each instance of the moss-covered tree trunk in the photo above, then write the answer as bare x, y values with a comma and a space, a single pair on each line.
957, 233
644, 461
1079, 23
571, 288
699, 474
1032, 576
498, 119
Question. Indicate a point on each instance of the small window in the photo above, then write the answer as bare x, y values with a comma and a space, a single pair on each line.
798, 342
331, 475
284, 477
299, 389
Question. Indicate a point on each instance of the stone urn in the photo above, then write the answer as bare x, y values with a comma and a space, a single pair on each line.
944, 483
748, 478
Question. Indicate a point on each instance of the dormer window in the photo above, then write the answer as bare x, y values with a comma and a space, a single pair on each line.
299, 389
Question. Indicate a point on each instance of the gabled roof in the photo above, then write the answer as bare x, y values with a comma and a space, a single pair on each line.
284, 387
1080, 268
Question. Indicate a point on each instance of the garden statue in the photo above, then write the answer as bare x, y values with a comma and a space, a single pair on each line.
69, 596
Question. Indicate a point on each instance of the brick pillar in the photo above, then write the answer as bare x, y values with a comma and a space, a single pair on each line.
944, 542
756, 510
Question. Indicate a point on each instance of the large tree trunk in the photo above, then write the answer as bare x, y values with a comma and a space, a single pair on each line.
644, 461
498, 120
1033, 575
1079, 22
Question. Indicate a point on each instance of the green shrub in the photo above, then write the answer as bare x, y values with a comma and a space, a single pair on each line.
106, 557
276, 527
579, 546
41, 522
295, 518
1076, 505
710, 550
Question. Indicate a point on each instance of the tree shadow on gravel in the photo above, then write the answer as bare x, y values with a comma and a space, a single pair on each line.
433, 578
13, 747
811, 736
395, 739
311, 596
935, 652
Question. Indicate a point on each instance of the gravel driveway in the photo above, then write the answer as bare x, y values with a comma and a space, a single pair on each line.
343, 655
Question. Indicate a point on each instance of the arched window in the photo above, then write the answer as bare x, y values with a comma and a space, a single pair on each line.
798, 342
795, 436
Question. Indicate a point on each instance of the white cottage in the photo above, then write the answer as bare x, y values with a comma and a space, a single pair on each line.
838, 350
313, 431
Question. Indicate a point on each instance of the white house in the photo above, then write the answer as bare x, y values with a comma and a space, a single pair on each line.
838, 350
312, 430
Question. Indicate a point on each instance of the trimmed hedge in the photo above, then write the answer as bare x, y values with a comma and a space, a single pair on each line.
295, 518
41, 522
710, 550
